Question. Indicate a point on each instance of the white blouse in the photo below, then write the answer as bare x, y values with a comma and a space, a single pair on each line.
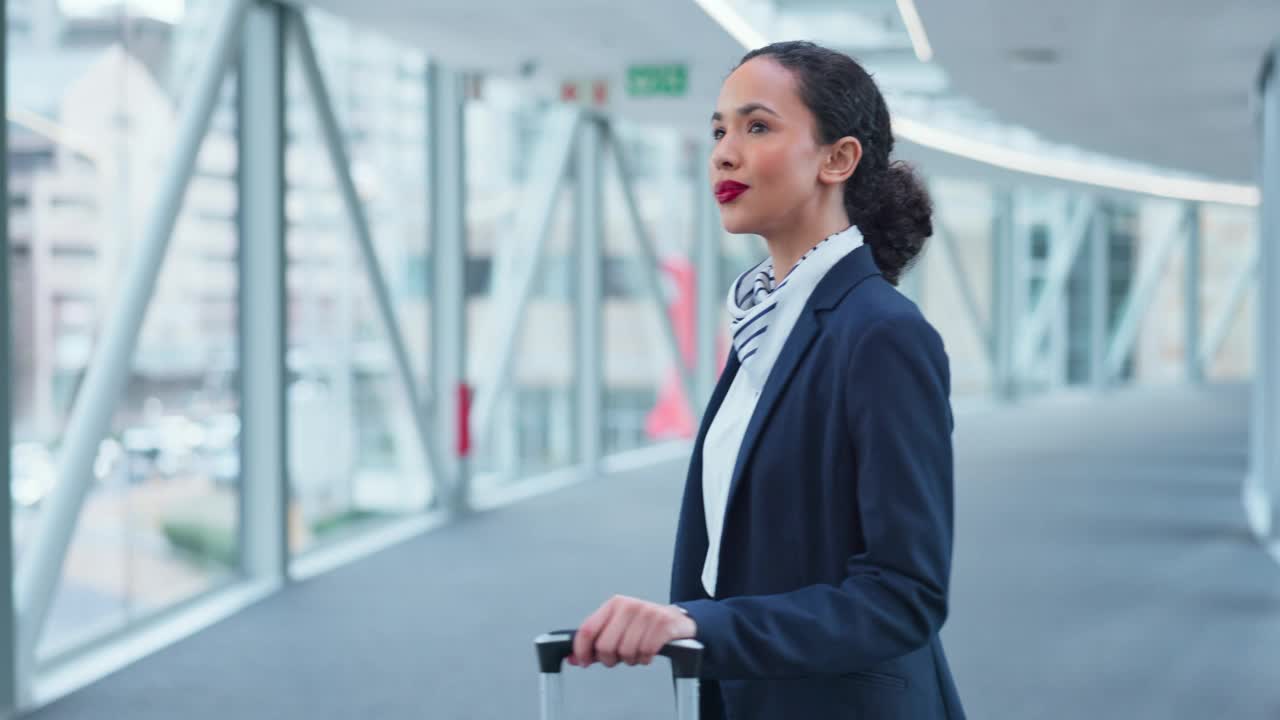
719, 454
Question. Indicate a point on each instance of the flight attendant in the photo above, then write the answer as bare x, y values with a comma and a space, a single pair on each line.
813, 550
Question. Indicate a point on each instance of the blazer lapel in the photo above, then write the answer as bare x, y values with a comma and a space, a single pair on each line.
845, 275
801, 337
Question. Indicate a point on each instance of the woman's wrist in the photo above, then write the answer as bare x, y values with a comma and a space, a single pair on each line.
690, 630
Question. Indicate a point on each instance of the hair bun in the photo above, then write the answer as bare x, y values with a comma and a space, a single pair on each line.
894, 218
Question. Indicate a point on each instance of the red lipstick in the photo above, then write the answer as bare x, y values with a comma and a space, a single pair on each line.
728, 190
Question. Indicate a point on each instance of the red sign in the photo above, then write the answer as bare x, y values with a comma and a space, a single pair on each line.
464, 420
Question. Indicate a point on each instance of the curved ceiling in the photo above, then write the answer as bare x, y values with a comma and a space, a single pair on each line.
1167, 82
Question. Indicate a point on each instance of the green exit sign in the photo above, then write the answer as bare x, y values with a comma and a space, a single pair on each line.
651, 80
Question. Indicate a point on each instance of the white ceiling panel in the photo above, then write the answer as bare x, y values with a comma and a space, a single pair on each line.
566, 39
1166, 82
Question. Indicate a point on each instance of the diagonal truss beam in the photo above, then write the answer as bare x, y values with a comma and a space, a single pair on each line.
1064, 251
524, 249
336, 148
1243, 279
955, 264
649, 262
1140, 296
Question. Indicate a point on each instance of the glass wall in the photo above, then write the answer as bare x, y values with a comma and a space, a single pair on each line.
644, 401
94, 101
355, 457
963, 221
1132, 229
1228, 241
531, 427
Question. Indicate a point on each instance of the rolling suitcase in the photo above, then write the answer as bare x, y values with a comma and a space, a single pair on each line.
554, 647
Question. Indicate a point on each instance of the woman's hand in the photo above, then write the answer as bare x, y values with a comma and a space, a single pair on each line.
630, 630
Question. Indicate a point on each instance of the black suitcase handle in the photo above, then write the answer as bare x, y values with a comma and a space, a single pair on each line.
557, 645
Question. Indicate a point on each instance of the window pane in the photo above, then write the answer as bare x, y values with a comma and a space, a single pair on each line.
963, 208
644, 400
354, 451
532, 427
95, 102
1234, 233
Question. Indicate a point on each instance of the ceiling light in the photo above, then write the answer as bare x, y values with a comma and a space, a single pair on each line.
1080, 171
915, 29
724, 13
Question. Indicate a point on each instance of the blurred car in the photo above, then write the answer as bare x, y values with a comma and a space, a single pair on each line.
179, 437
33, 473
167, 447
221, 449
111, 462
141, 448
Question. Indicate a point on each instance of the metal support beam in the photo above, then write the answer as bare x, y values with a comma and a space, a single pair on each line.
651, 266
709, 285
447, 187
1053, 363
519, 257
1191, 307
1004, 301
1140, 296
264, 485
1099, 297
1261, 492
8, 633
1065, 244
954, 260
300, 36
108, 369
1243, 278
588, 203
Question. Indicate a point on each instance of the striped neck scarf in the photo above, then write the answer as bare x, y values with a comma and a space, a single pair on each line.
762, 314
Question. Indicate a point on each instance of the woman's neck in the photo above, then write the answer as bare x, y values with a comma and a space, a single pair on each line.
788, 244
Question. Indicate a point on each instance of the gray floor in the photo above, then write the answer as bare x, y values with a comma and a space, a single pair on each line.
1102, 570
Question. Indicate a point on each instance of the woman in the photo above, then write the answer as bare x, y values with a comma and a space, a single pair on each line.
813, 551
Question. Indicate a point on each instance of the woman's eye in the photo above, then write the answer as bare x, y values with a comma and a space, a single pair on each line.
717, 133
760, 125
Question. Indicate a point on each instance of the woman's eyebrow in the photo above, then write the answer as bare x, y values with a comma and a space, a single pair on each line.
747, 110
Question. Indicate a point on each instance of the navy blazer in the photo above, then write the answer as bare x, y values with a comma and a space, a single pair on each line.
836, 549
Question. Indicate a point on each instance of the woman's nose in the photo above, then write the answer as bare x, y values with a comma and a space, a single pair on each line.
723, 157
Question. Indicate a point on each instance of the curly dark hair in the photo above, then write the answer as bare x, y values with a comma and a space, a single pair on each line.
886, 200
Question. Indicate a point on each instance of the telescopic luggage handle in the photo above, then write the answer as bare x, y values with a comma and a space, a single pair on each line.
557, 645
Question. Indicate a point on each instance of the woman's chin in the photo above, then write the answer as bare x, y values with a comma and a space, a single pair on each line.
734, 223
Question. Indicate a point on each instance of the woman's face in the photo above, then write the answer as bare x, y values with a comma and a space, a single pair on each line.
764, 139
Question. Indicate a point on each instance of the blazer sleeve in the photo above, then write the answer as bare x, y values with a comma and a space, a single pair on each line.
893, 598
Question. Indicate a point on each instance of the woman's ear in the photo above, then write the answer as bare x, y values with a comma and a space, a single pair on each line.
841, 160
